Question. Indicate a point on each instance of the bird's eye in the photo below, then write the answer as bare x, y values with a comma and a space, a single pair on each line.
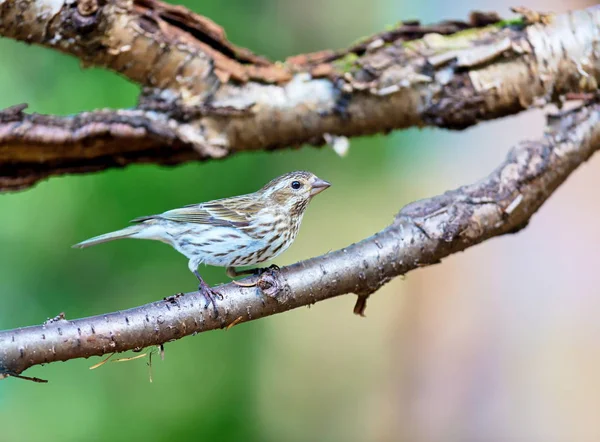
296, 185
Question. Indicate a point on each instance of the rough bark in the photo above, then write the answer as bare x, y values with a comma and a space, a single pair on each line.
422, 234
206, 98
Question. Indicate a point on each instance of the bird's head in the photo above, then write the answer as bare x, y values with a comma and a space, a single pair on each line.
294, 190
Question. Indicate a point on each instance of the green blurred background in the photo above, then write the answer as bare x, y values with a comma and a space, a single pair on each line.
499, 343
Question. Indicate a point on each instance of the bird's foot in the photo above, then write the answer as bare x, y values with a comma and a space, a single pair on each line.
256, 272
208, 293
210, 296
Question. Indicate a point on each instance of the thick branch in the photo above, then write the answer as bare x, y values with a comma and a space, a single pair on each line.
218, 99
48, 145
423, 233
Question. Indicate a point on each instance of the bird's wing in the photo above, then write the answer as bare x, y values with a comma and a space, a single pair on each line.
230, 212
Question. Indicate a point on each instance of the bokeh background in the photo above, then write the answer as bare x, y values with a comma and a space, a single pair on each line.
500, 343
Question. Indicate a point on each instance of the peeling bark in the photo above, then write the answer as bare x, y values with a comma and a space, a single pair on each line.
217, 99
149, 42
48, 145
422, 233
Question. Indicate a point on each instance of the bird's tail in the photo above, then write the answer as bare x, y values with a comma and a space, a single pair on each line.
127, 232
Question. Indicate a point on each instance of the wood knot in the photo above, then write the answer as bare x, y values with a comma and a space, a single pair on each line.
84, 18
268, 283
87, 7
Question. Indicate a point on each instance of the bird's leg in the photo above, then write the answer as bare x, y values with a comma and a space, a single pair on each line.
208, 293
232, 273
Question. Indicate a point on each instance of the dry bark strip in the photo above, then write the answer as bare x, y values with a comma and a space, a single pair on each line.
422, 234
206, 98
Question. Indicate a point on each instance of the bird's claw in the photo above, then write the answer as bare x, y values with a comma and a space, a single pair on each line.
210, 295
272, 268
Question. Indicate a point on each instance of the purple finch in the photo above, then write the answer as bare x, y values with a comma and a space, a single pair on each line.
239, 231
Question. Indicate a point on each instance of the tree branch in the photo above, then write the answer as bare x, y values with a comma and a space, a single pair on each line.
35, 146
422, 234
211, 99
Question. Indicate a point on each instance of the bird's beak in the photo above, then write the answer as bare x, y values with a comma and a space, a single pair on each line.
318, 186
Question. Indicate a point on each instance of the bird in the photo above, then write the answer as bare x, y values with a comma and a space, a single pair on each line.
231, 232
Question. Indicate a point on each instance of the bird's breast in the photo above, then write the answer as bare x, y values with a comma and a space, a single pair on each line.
266, 237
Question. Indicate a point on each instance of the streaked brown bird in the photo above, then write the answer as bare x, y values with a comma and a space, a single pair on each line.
239, 231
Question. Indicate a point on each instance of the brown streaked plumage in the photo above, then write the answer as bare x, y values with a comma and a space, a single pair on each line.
239, 231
